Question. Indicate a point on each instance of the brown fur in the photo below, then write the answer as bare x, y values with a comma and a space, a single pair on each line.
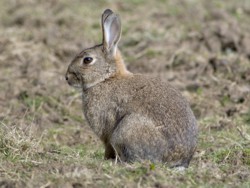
121, 68
136, 116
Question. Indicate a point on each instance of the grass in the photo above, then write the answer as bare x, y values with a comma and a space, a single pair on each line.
61, 162
45, 140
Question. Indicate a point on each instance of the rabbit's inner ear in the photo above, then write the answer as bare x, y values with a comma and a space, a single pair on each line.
111, 33
105, 14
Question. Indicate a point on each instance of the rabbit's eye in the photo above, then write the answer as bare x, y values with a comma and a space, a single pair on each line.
87, 60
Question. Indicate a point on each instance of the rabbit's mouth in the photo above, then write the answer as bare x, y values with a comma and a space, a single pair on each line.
73, 80
75, 85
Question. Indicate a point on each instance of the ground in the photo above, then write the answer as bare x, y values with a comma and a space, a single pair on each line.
201, 47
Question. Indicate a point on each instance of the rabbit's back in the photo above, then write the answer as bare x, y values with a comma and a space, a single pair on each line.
162, 106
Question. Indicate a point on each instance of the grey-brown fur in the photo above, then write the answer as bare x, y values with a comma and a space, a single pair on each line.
136, 116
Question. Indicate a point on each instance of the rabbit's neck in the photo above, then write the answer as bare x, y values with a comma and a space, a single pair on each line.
121, 69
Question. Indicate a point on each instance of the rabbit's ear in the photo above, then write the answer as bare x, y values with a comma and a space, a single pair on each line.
111, 27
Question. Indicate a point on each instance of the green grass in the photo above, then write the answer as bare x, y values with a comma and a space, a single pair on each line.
26, 154
232, 156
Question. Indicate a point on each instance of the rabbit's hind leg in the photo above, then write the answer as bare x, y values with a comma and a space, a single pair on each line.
136, 138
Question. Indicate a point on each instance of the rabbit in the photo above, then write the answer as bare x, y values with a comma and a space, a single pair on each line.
137, 117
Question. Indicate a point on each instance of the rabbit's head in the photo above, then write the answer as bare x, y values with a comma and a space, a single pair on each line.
98, 63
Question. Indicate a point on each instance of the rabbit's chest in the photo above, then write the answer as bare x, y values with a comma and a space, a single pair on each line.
102, 113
